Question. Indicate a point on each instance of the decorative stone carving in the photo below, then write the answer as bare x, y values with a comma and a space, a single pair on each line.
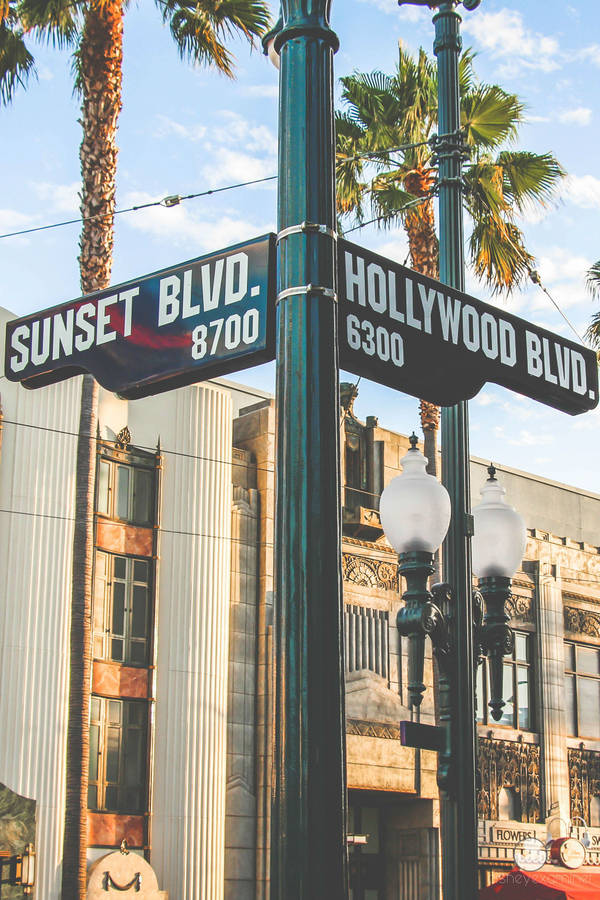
123, 872
520, 608
582, 621
511, 764
584, 781
369, 572
123, 438
372, 729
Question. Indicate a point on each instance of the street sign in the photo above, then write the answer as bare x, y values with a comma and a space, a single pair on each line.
204, 318
216, 314
411, 333
425, 737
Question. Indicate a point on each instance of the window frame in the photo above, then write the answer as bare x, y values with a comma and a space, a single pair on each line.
136, 466
103, 626
100, 759
573, 673
515, 663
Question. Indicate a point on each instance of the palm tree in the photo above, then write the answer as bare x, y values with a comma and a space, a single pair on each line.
593, 330
394, 183
94, 29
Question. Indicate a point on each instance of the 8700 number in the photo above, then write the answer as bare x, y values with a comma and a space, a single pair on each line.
374, 341
235, 329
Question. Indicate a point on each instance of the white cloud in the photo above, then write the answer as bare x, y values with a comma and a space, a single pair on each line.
62, 198
592, 53
181, 227
414, 14
579, 116
232, 166
582, 190
560, 265
237, 131
527, 438
506, 37
168, 127
260, 90
394, 249
10, 221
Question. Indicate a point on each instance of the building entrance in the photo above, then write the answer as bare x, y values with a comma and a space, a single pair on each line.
367, 864
400, 857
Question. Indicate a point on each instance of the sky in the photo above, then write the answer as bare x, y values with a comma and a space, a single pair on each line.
184, 129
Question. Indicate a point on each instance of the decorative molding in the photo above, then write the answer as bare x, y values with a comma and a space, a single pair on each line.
508, 764
584, 780
582, 621
372, 729
520, 608
123, 438
372, 573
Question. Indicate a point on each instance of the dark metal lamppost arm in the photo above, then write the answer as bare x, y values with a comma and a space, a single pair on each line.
308, 843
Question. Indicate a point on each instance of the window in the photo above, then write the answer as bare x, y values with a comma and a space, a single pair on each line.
118, 738
517, 689
122, 609
125, 491
582, 693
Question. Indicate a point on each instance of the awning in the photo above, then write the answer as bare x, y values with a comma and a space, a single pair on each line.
549, 883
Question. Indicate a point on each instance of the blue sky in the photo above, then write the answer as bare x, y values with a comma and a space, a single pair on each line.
184, 130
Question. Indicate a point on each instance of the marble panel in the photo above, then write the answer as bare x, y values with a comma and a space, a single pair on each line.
119, 538
109, 829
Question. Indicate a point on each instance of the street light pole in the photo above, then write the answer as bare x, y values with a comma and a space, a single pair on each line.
459, 806
457, 769
308, 844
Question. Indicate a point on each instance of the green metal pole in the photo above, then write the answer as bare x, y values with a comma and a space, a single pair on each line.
308, 848
459, 800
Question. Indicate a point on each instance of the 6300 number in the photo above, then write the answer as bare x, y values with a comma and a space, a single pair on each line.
374, 341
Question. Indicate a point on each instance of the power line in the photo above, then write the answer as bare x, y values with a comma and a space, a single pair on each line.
168, 202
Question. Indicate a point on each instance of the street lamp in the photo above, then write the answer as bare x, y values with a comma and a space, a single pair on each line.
498, 546
415, 514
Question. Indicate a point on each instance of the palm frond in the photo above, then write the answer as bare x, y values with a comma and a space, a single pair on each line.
530, 177
498, 254
484, 189
466, 72
490, 116
58, 22
17, 64
593, 279
200, 28
592, 333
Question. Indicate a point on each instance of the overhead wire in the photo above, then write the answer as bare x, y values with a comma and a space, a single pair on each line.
168, 202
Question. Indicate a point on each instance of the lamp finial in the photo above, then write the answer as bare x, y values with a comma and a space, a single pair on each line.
413, 440
492, 471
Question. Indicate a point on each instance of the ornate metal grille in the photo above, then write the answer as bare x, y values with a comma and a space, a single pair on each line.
366, 639
510, 764
584, 782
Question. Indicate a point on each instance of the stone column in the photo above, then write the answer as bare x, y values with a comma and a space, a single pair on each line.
550, 675
37, 480
188, 823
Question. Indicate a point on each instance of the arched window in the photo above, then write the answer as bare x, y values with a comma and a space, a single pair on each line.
594, 812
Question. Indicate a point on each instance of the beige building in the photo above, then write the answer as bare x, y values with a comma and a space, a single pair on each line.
182, 684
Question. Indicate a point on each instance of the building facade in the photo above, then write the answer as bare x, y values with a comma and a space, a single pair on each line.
181, 720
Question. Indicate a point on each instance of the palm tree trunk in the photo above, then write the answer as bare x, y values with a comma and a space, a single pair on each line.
424, 251
99, 65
